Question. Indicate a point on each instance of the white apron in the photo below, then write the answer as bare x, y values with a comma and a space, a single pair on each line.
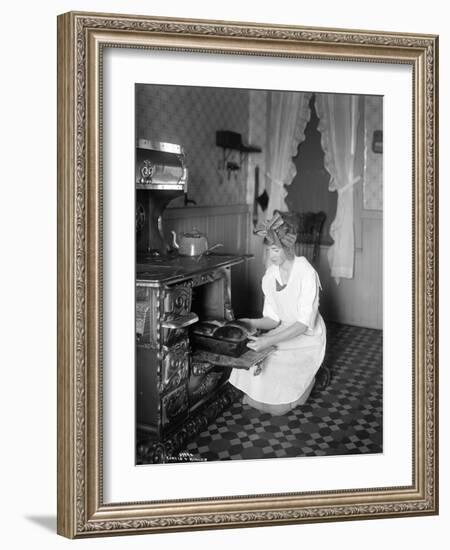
289, 370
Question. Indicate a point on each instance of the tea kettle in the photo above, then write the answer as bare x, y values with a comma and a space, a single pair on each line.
193, 243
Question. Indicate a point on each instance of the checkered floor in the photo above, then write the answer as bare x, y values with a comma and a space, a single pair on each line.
344, 418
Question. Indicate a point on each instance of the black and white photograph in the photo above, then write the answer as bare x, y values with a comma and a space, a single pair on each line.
259, 297
220, 285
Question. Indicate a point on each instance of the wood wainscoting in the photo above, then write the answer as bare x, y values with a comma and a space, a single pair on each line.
229, 225
357, 301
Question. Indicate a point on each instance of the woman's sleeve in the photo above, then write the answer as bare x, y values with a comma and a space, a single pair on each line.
269, 309
308, 300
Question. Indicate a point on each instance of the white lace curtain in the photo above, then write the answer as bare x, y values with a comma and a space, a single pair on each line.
338, 120
288, 115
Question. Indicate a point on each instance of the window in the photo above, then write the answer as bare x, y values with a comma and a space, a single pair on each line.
309, 189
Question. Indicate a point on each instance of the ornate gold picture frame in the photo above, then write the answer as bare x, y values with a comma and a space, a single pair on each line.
82, 41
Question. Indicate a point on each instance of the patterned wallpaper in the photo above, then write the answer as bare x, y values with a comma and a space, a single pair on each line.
373, 162
257, 136
190, 116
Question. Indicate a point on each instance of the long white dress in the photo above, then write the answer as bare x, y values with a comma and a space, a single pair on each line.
290, 370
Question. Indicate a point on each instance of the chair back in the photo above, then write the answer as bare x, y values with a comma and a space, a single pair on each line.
308, 226
309, 230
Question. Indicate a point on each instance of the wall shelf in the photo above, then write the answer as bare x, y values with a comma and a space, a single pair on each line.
230, 142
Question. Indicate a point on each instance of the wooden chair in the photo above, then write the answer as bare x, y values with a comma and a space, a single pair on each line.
309, 229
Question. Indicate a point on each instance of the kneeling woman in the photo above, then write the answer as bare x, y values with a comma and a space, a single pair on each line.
293, 323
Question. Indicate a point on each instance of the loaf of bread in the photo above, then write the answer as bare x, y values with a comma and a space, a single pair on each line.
229, 333
244, 326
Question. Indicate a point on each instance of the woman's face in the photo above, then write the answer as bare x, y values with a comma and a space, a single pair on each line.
276, 255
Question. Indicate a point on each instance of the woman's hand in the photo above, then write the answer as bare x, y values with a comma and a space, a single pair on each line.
259, 343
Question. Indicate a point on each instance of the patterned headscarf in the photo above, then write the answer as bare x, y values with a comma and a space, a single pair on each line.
277, 231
